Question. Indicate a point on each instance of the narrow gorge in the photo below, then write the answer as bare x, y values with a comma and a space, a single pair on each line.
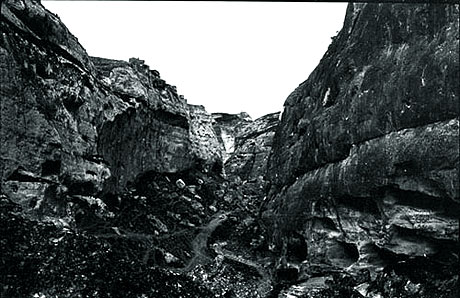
112, 185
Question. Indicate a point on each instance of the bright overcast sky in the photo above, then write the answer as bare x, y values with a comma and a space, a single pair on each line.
228, 56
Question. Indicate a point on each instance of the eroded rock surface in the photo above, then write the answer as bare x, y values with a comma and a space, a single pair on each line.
159, 132
227, 127
105, 167
102, 162
79, 121
365, 159
51, 104
205, 142
91, 152
252, 148
246, 143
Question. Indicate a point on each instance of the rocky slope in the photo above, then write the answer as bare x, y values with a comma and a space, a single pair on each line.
364, 167
242, 263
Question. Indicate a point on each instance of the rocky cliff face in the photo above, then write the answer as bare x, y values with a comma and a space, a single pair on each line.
94, 157
205, 142
245, 143
51, 106
76, 124
227, 127
159, 132
365, 163
252, 145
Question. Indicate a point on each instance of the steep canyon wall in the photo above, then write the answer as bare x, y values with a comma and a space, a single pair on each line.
365, 160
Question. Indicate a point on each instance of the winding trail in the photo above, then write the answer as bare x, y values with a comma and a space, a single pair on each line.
310, 288
265, 285
200, 242
236, 258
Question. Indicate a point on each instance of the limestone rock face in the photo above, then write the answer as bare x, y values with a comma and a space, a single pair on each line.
51, 106
205, 143
246, 143
253, 144
365, 159
78, 125
159, 132
227, 127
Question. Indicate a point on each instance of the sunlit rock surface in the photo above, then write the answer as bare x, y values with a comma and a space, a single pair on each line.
252, 148
246, 143
227, 127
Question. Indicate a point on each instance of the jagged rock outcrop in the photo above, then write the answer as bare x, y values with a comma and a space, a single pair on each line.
51, 105
159, 132
253, 144
227, 127
101, 162
365, 159
247, 143
82, 124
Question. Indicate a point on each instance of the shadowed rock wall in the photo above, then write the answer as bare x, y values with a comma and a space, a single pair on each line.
366, 153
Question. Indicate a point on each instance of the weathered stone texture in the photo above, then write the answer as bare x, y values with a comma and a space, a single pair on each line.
89, 124
365, 157
253, 144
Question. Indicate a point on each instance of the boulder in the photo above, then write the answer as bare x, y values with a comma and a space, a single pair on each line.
180, 183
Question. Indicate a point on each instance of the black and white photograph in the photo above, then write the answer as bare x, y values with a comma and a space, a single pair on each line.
232, 149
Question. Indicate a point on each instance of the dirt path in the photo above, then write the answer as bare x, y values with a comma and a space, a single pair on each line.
199, 246
200, 242
265, 281
309, 288
236, 258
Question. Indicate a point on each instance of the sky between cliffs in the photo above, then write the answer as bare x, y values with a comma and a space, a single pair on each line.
228, 56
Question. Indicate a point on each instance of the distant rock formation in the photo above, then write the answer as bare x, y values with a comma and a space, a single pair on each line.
227, 127
205, 146
246, 143
365, 159
253, 144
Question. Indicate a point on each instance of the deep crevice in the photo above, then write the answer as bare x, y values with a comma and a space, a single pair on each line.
51, 167
443, 205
